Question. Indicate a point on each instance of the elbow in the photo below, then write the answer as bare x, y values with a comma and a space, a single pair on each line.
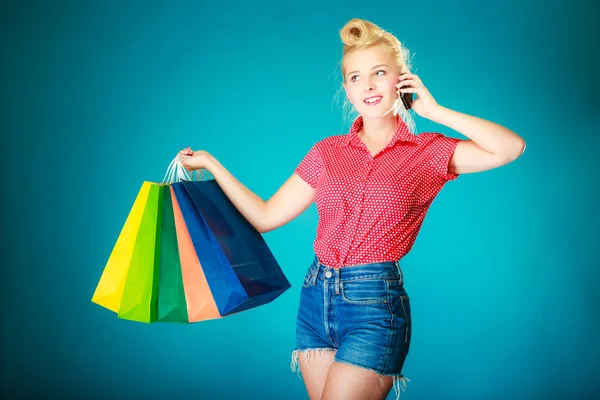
516, 150
521, 148
264, 226
267, 222
262, 229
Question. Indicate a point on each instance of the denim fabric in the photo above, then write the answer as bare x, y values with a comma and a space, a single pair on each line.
362, 311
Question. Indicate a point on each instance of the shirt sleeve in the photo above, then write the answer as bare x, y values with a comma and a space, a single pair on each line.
310, 167
441, 151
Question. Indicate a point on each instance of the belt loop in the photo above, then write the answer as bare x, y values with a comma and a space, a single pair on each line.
401, 279
337, 280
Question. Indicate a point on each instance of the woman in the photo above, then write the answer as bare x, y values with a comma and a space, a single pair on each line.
372, 187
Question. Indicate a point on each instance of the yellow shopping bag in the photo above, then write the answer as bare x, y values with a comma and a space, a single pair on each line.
109, 291
140, 294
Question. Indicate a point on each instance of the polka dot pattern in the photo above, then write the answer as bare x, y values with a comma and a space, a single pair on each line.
371, 208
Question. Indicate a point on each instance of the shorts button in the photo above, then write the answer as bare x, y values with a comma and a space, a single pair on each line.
328, 274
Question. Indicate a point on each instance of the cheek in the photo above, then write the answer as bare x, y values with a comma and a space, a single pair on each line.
353, 95
389, 85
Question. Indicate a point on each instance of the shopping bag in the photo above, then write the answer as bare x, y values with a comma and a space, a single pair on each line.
201, 305
140, 294
172, 305
109, 290
224, 285
185, 254
241, 271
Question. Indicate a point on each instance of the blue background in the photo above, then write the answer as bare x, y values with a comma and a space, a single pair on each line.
99, 96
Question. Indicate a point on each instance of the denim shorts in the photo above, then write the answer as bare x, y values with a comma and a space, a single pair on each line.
361, 311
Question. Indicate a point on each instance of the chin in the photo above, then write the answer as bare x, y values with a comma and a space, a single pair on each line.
377, 113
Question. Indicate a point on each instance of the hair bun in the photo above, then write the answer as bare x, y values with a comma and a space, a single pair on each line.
358, 32
361, 34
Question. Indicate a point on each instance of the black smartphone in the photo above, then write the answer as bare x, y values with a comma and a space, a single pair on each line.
407, 100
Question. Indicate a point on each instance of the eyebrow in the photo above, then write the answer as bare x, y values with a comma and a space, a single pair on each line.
377, 66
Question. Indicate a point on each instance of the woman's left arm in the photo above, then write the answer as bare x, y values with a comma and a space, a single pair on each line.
490, 145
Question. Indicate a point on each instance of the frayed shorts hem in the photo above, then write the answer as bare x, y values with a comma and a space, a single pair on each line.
295, 366
398, 380
341, 360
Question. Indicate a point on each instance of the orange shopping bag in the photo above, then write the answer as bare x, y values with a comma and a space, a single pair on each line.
200, 302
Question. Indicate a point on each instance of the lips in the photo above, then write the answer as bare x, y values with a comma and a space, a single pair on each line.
373, 100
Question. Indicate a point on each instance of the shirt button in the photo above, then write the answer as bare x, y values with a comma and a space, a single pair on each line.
328, 274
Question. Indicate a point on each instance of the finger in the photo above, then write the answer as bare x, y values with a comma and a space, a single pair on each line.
410, 90
408, 75
408, 82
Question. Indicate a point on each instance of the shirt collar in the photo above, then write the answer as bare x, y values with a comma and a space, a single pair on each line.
402, 133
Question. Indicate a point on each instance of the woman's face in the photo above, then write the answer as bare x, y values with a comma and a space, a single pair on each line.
370, 81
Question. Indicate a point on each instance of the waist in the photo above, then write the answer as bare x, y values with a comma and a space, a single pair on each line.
376, 270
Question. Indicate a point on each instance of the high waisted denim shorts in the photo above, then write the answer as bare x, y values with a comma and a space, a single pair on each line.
361, 311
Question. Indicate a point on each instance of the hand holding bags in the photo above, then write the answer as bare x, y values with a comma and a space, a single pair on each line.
186, 254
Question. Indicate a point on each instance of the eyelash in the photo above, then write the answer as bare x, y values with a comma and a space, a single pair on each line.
354, 76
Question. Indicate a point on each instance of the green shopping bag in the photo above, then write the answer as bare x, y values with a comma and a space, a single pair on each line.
172, 306
140, 293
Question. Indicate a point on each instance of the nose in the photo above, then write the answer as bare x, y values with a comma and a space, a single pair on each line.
369, 85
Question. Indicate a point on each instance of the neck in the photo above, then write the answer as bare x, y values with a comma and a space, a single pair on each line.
378, 130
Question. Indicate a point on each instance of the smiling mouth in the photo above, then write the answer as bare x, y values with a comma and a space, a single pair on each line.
371, 101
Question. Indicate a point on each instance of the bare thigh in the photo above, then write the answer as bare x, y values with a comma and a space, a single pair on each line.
314, 370
349, 382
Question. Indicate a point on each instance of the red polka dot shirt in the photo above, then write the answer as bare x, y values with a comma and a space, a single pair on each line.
372, 208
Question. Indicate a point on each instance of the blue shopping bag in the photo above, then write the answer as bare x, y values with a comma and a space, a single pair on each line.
240, 269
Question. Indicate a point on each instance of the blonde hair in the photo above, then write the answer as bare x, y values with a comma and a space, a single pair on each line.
360, 34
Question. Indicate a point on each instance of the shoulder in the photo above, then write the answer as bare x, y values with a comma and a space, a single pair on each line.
325, 145
331, 141
434, 138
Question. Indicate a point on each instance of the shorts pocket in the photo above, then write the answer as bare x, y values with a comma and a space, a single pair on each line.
308, 277
405, 305
367, 291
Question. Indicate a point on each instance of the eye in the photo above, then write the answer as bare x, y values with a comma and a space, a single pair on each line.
380, 71
352, 78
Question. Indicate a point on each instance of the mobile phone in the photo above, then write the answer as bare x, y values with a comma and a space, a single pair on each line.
407, 100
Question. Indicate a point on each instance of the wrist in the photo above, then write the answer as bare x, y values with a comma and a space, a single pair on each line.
210, 162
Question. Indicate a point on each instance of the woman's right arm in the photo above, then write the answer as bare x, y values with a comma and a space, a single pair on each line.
292, 198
